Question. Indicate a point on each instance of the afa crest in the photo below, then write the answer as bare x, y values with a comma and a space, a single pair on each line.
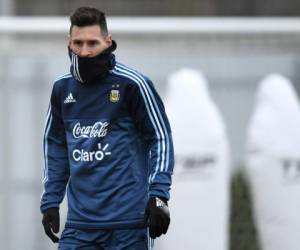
114, 95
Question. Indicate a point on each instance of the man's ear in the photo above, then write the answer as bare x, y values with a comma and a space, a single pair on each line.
108, 39
69, 40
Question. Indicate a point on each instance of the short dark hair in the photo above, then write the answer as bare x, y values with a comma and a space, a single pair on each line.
86, 16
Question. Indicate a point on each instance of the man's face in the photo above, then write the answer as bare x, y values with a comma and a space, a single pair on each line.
88, 41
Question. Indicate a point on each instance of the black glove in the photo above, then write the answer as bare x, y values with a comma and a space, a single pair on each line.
51, 223
157, 216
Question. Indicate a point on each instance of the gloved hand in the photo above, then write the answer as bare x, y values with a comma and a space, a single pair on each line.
157, 216
51, 223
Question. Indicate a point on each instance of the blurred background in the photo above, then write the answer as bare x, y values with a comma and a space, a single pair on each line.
234, 43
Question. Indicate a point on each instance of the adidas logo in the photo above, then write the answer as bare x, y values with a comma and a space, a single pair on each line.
69, 99
159, 202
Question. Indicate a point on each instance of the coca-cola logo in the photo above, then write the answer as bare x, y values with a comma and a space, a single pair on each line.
99, 129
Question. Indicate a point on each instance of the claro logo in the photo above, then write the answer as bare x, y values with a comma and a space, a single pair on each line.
87, 156
99, 129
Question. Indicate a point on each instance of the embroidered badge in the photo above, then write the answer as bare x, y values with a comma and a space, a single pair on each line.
114, 95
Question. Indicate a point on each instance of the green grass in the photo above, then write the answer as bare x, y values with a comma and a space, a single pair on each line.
243, 233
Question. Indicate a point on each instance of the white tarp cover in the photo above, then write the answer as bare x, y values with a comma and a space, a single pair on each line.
273, 164
199, 202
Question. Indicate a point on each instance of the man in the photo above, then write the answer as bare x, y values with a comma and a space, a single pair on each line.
108, 140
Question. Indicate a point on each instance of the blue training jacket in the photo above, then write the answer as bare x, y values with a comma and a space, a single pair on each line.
110, 145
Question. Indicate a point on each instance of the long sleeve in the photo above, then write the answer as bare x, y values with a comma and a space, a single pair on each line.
56, 169
151, 120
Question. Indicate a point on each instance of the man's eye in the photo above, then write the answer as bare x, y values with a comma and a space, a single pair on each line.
92, 43
78, 43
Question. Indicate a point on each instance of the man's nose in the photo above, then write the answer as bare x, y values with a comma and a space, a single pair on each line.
85, 52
